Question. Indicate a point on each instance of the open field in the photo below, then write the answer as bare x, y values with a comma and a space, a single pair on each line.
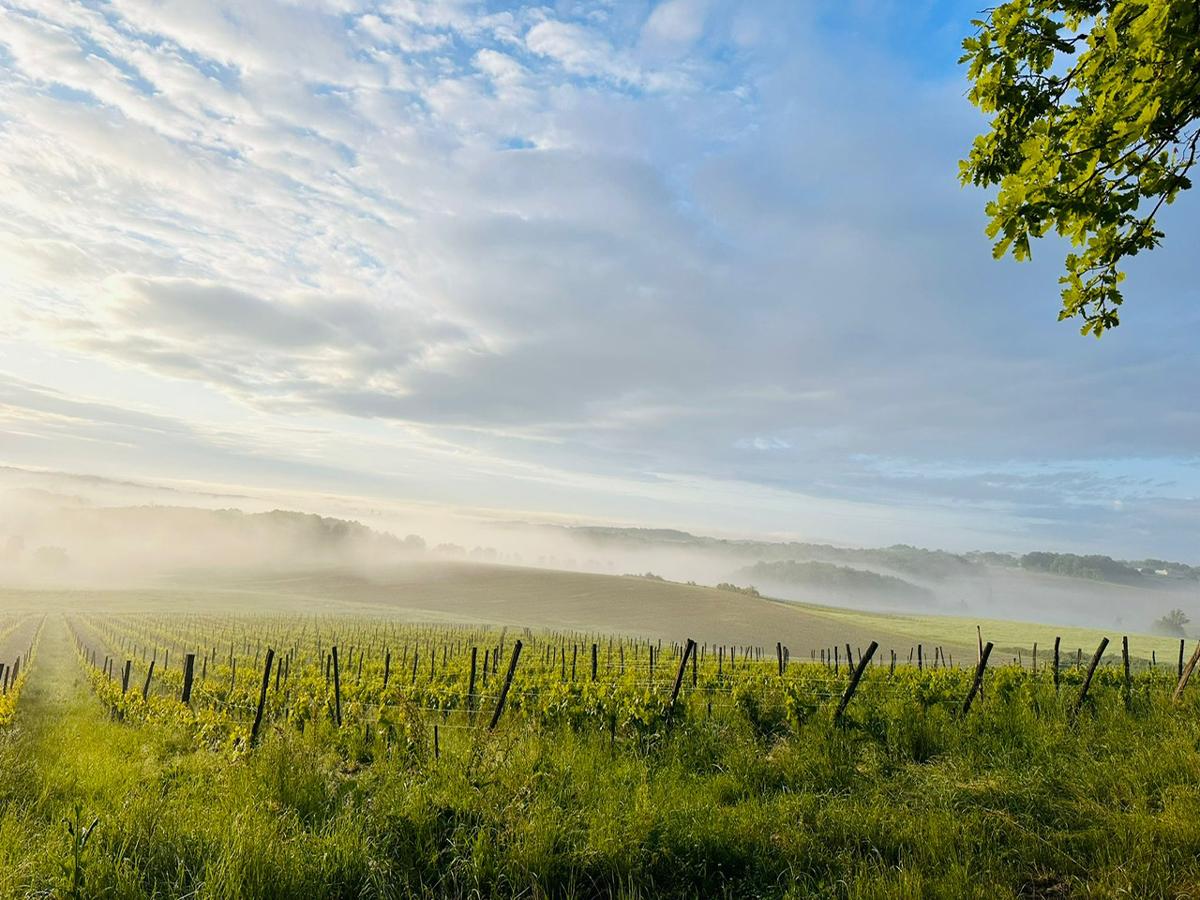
505, 595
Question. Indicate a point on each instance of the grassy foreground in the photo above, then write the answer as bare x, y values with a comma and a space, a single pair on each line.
909, 799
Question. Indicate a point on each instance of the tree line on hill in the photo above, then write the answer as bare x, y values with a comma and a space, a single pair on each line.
834, 578
1093, 567
1105, 568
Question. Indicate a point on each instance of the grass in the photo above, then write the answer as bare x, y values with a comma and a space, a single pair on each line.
909, 799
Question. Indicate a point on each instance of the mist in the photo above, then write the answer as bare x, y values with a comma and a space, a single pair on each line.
80, 531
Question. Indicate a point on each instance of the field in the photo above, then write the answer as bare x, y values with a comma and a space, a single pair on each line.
381, 776
452, 593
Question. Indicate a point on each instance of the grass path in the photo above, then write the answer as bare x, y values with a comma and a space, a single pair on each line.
62, 750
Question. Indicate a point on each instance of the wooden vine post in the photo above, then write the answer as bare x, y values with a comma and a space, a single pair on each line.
508, 678
262, 698
1186, 674
855, 677
688, 651
977, 681
337, 689
1087, 679
471, 683
1057, 642
146, 686
1127, 691
189, 671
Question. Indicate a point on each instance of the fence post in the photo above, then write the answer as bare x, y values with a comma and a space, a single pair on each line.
508, 678
595, 657
125, 677
1180, 673
854, 679
189, 670
471, 683
146, 686
337, 689
1187, 674
262, 697
1057, 641
1087, 680
1127, 693
977, 681
691, 646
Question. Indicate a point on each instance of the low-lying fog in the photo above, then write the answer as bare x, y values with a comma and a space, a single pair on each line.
65, 530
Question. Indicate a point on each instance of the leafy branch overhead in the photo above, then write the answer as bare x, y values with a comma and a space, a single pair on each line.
1095, 106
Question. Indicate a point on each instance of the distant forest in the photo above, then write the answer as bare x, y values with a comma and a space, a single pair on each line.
929, 566
1096, 568
1105, 568
830, 577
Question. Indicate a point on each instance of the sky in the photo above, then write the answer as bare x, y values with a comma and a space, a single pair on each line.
687, 263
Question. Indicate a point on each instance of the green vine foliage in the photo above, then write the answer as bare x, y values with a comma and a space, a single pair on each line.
1094, 107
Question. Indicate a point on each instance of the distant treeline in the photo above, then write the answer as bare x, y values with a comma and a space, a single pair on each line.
1172, 569
750, 591
827, 576
903, 559
1105, 568
916, 562
1096, 568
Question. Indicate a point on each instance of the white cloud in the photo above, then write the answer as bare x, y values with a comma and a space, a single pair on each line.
579, 51
678, 243
675, 22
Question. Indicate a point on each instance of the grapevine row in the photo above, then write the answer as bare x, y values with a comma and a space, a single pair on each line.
387, 681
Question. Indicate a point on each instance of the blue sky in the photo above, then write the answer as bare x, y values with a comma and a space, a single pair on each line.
686, 263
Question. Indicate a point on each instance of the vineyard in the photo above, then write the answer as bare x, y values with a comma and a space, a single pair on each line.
390, 679
247, 756
18, 637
